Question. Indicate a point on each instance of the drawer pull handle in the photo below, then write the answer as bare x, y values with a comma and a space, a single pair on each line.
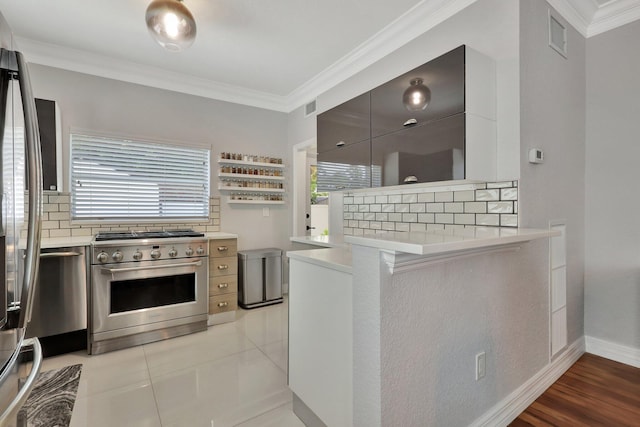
223, 285
223, 304
223, 267
222, 248
410, 122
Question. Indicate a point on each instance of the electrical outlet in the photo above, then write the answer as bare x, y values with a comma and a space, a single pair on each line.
265, 211
481, 365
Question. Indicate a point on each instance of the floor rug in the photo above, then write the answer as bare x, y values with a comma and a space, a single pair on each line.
51, 401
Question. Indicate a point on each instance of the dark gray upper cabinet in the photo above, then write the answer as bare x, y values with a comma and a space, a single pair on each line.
346, 167
445, 79
433, 151
345, 124
46, 111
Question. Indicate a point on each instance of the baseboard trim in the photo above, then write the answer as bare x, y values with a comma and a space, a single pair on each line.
508, 409
610, 350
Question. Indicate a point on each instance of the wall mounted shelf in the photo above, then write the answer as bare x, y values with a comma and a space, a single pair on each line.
251, 182
255, 202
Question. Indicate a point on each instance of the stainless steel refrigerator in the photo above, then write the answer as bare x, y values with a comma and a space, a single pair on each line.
21, 186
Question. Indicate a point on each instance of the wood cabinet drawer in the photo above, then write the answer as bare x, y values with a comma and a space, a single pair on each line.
222, 303
223, 266
223, 248
223, 285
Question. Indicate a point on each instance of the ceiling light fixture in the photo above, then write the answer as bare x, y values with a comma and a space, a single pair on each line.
171, 24
417, 96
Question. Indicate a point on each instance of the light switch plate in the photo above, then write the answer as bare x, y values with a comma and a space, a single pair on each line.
265, 211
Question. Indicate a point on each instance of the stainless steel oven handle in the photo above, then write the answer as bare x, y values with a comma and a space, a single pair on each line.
13, 408
59, 254
149, 267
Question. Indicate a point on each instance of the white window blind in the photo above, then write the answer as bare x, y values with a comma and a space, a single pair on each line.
124, 180
343, 176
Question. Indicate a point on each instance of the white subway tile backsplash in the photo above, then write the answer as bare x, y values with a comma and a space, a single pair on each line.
509, 194
415, 209
369, 232
60, 232
444, 196
358, 232
59, 199
410, 198
507, 220
455, 207
488, 219
417, 227
500, 207
426, 218
426, 197
50, 207
463, 218
48, 225
464, 196
487, 195
81, 232
444, 218
475, 207
435, 207
348, 231
409, 217
64, 207
402, 226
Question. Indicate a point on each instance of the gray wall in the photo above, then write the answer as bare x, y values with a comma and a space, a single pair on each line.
612, 276
552, 117
108, 106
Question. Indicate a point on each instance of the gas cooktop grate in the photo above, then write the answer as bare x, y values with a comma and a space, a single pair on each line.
130, 235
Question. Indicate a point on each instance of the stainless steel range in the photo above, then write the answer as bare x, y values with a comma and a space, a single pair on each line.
146, 286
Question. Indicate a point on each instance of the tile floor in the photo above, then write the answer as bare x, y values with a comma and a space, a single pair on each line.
230, 375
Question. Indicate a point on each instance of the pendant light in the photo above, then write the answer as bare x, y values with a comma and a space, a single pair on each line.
417, 96
171, 24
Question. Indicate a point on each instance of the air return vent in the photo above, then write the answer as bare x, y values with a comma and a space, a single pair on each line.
310, 108
557, 35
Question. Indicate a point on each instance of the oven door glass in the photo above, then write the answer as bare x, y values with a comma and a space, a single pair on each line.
135, 294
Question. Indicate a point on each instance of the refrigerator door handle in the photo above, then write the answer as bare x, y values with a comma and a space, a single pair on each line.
12, 410
34, 160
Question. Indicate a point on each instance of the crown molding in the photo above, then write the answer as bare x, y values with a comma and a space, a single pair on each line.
413, 23
589, 19
614, 14
117, 69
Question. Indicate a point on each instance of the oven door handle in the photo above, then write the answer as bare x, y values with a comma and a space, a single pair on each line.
150, 267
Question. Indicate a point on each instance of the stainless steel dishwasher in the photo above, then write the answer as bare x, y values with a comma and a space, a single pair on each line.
59, 316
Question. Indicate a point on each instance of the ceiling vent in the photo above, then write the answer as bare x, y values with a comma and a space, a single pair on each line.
557, 35
310, 108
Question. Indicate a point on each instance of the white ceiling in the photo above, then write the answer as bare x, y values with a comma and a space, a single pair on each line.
274, 54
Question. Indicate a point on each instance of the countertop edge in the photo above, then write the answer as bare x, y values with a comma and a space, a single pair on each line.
75, 241
338, 259
435, 248
320, 241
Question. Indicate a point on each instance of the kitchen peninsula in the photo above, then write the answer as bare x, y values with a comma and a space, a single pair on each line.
387, 332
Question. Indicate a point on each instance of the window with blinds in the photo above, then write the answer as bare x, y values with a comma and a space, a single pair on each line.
114, 179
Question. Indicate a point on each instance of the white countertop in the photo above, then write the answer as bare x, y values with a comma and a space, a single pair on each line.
334, 258
330, 241
440, 242
61, 242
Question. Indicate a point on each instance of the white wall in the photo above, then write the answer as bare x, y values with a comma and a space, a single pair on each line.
612, 277
552, 107
109, 106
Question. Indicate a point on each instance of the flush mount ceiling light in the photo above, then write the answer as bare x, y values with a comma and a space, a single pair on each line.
417, 96
171, 24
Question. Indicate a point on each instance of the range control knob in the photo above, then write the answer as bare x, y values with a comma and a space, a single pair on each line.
117, 256
173, 253
200, 250
189, 251
155, 254
137, 255
103, 257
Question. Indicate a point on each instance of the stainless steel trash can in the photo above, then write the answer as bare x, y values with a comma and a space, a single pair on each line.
259, 277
